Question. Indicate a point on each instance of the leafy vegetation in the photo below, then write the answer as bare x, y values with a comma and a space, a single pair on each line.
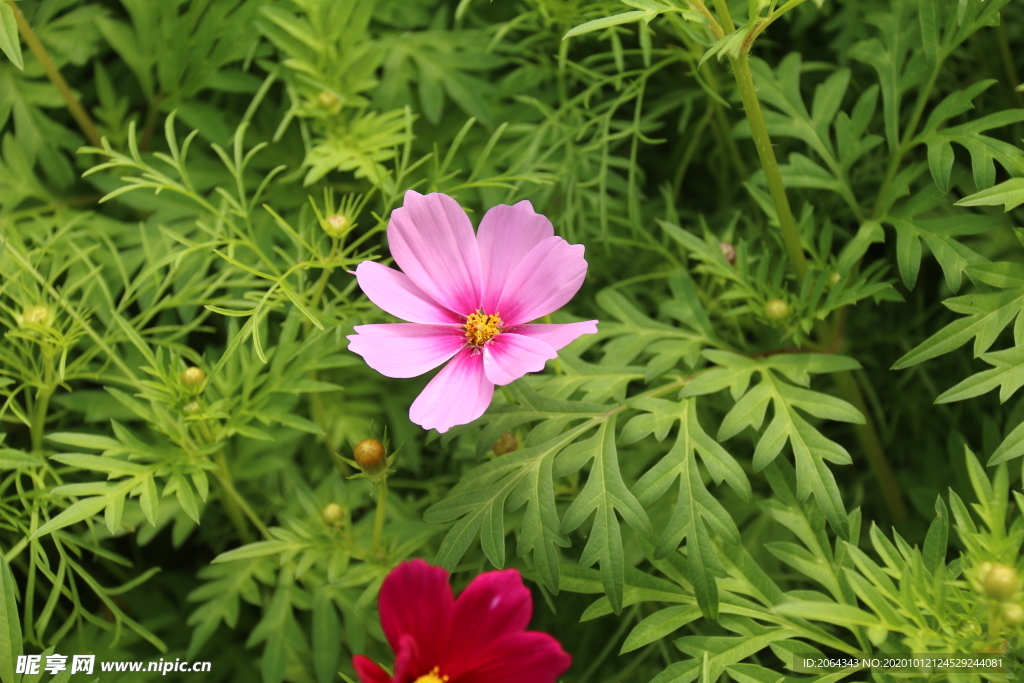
802, 224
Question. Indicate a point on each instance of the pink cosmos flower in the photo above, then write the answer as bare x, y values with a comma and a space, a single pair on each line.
468, 299
479, 638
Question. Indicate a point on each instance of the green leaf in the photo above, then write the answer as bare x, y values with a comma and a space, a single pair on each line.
1009, 193
257, 549
935, 542
810, 447
606, 22
659, 625
828, 612
10, 45
1007, 373
604, 495
11, 459
76, 512
987, 314
326, 637
10, 623
93, 442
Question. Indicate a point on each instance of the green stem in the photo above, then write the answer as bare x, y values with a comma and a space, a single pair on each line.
81, 116
848, 387
237, 507
867, 435
763, 142
378, 519
1007, 56
39, 419
724, 16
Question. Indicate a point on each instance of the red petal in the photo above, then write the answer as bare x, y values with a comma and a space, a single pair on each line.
495, 605
369, 671
416, 601
530, 656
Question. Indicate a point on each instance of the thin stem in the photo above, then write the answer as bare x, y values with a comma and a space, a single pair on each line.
150, 125
712, 22
38, 426
848, 387
765, 151
81, 116
39, 419
378, 519
724, 17
867, 435
768, 22
1007, 55
236, 504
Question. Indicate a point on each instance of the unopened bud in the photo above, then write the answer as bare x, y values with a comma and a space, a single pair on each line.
327, 99
1001, 582
506, 443
36, 315
1013, 614
192, 377
336, 225
776, 309
369, 455
191, 408
333, 515
728, 251
834, 277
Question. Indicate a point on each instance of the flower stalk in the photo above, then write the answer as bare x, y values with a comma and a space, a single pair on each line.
379, 515
846, 383
75, 107
766, 153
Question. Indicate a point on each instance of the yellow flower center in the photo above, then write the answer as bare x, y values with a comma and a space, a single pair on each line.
433, 677
481, 328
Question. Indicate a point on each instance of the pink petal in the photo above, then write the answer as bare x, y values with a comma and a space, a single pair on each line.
406, 349
409, 663
495, 605
530, 656
509, 356
544, 281
433, 243
395, 293
416, 609
558, 335
457, 395
506, 235
369, 671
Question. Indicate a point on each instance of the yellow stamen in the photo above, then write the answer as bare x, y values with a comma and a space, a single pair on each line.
481, 328
433, 677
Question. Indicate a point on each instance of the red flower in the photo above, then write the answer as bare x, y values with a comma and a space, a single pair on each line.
479, 638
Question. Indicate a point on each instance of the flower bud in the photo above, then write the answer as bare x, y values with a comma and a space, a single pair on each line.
336, 225
776, 309
728, 251
191, 408
192, 377
1001, 582
369, 455
834, 277
506, 443
1013, 614
327, 99
36, 315
333, 515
